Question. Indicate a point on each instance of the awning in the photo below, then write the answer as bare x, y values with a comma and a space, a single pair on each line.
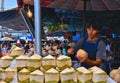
91, 5
16, 19
12, 19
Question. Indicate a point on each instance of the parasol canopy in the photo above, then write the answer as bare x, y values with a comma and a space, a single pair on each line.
91, 5
6, 39
105, 11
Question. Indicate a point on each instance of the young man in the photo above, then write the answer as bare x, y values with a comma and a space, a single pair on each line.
95, 47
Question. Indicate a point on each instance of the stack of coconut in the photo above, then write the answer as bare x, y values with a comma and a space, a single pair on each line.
49, 69
115, 74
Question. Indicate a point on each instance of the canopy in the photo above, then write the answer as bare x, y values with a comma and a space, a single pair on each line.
91, 5
12, 19
71, 12
6, 39
16, 19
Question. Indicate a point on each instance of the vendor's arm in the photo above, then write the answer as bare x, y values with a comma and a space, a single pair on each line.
70, 51
76, 47
97, 62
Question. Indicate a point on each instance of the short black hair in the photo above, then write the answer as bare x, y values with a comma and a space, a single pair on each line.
94, 25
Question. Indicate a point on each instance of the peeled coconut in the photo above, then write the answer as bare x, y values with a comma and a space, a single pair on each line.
3, 82
21, 62
64, 62
9, 74
83, 73
52, 76
37, 77
68, 75
98, 75
24, 76
6, 61
1, 71
117, 77
34, 62
17, 51
113, 73
48, 62
82, 54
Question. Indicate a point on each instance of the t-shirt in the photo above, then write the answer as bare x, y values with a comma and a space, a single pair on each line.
101, 49
99, 53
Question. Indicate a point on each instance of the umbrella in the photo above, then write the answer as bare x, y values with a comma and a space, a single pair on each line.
86, 5
6, 39
91, 5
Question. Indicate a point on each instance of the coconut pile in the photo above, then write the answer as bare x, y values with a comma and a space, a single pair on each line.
115, 74
48, 69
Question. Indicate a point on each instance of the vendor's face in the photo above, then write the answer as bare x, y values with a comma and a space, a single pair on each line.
92, 33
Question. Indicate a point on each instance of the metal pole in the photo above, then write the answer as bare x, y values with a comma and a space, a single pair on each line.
37, 15
28, 25
2, 5
84, 18
2, 9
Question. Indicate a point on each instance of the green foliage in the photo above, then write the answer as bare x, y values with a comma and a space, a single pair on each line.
56, 27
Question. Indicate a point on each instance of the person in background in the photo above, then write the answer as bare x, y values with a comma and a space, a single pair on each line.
64, 51
92, 44
4, 49
18, 44
26, 47
8, 48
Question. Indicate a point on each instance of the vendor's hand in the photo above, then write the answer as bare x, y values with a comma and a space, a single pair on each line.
82, 59
70, 51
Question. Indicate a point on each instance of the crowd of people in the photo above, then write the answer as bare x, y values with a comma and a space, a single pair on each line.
7, 45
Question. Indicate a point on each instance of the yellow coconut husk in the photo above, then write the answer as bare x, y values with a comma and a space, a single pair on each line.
113, 73
48, 62
68, 75
21, 62
98, 75
64, 62
3, 82
17, 52
1, 72
37, 77
6, 61
9, 74
34, 62
52, 76
24, 76
84, 75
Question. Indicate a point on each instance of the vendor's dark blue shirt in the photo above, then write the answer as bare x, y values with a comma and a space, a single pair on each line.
91, 49
96, 49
